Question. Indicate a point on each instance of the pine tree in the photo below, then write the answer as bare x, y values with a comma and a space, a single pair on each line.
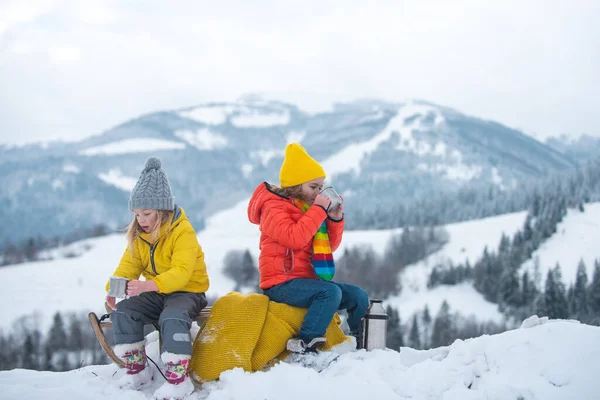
414, 336
425, 339
528, 290
509, 288
75, 341
394, 339
48, 353
571, 301
594, 295
249, 271
443, 329
240, 267
580, 305
29, 355
63, 363
555, 297
57, 337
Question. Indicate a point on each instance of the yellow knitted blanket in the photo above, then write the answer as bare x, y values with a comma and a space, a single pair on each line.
249, 331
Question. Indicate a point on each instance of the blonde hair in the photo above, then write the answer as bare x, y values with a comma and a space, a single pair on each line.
134, 229
290, 191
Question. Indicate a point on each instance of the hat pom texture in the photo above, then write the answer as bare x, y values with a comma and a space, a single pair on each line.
153, 163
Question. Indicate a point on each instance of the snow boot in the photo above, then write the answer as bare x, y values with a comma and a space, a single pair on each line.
138, 374
297, 345
358, 338
178, 385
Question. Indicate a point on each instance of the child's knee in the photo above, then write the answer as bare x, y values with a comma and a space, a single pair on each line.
334, 293
174, 313
362, 300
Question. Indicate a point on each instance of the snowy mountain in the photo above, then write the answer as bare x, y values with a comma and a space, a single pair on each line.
554, 360
375, 152
582, 148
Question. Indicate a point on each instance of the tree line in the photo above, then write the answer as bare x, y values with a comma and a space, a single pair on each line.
33, 248
68, 344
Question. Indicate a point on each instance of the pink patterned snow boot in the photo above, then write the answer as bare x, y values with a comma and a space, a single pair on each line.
136, 363
178, 385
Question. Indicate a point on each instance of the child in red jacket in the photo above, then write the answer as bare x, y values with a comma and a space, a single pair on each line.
298, 236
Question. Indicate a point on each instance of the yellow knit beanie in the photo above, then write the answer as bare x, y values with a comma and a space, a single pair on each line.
298, 167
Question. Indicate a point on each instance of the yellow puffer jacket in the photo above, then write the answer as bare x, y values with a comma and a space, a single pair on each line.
175, 262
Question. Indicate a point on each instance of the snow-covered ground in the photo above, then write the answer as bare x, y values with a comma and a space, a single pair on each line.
555, 360
577, 238
77, 284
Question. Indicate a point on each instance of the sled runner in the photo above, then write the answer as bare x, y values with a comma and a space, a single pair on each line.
102, 323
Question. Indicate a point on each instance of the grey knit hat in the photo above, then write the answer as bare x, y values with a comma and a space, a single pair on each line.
152, 190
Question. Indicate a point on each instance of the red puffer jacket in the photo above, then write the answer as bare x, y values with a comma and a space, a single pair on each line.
286, 236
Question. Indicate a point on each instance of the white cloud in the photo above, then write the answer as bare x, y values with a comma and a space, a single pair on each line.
528, 65
63, 55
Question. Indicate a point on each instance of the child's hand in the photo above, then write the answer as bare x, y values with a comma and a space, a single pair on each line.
322, 201
111, 302
338, 212
135, 288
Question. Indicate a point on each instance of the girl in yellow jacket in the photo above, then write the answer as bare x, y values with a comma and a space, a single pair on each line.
163, 248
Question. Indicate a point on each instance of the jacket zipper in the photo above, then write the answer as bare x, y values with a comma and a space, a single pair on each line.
283, 262
152, 259
152, 247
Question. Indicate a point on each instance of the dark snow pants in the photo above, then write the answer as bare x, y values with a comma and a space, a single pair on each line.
174, 313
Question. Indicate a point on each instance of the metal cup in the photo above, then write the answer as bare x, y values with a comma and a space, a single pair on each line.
118, 287
333, 196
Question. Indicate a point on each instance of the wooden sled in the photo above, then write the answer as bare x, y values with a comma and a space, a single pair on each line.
99, 324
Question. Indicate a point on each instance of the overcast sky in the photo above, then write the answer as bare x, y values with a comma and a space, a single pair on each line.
70, 69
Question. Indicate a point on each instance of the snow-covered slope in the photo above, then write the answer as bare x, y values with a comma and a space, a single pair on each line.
577, 238
77, 284
556, 360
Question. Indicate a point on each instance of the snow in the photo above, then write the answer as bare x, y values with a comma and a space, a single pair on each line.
59, 281
467, 242
253, 118
83, 278
462, 298
247, 169
241, 115
138, 145
553, 360
264, 156
310, 103
350, 157
497, 179
70, 168
454, 168
576, 238
57, 184
209, 115
66, 284
295, 137
116, 178
456, 172
203, 139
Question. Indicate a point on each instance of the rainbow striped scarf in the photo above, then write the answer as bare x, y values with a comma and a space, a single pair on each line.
322, 259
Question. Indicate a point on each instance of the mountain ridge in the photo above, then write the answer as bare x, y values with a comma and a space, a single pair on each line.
378, 153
